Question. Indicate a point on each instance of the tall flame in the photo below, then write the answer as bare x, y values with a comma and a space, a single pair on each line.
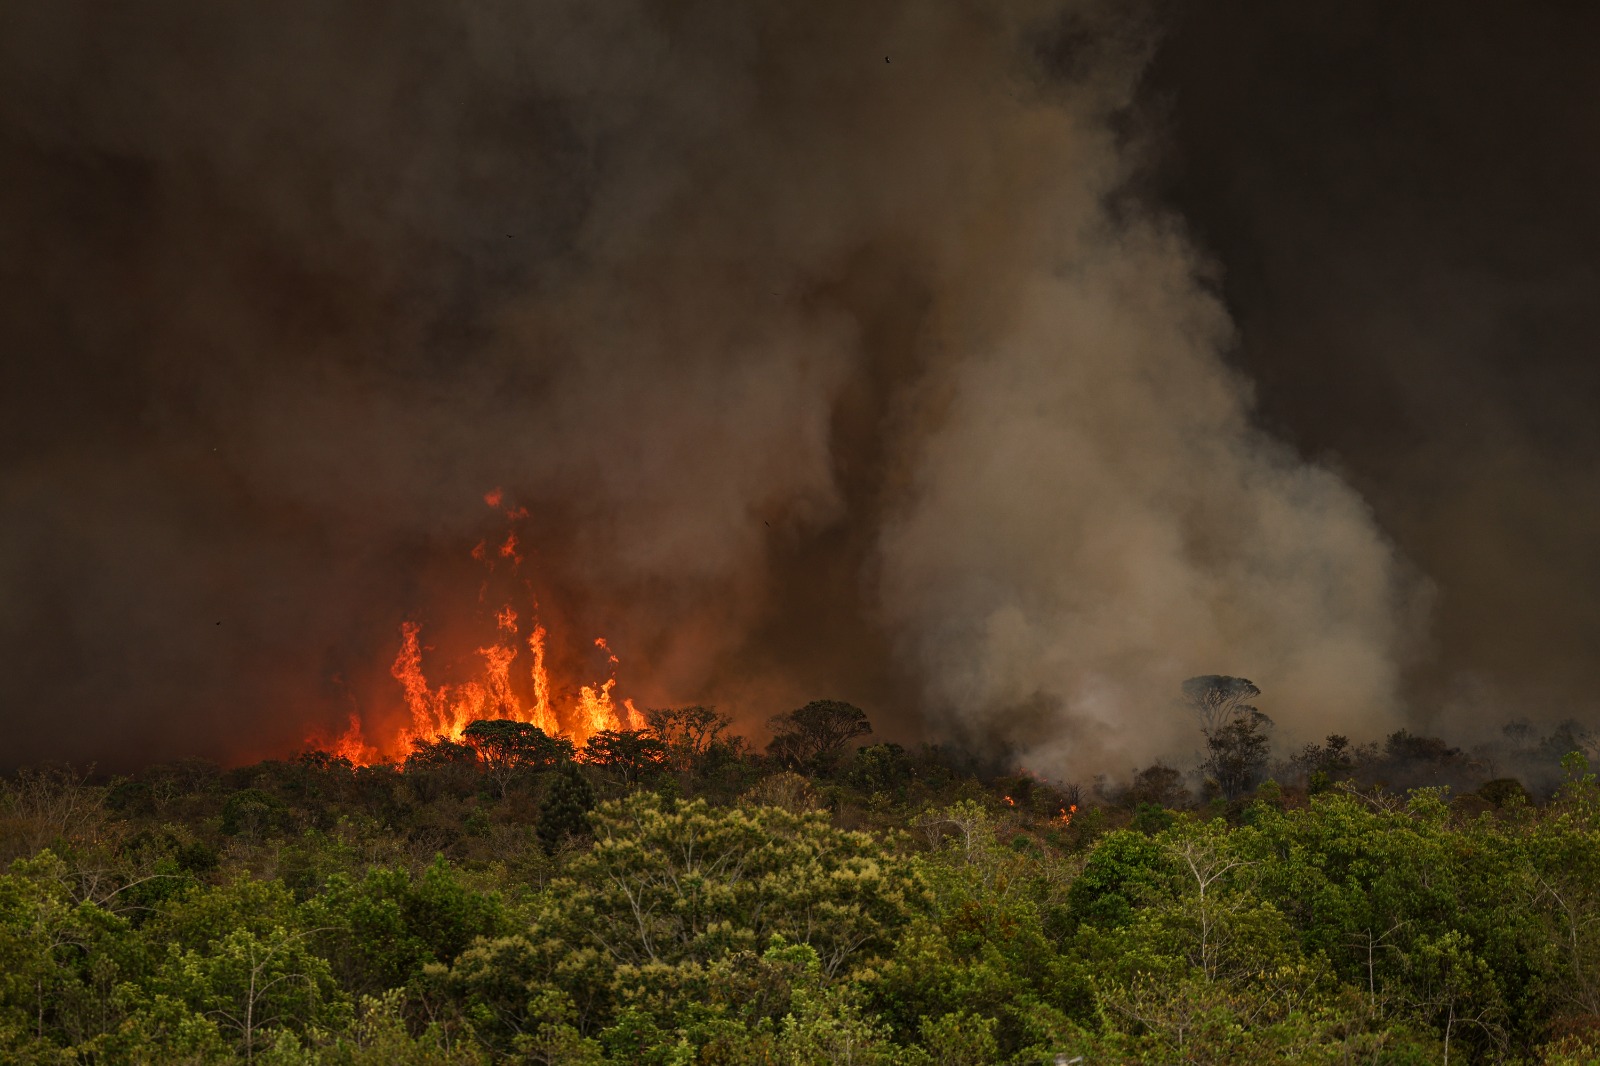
446, 710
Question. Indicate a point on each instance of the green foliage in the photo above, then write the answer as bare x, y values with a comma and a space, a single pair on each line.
563, 814
1124, 868
187, 921
691, 883
1150, 819
880, 768
252, 812
980, 970
380, 933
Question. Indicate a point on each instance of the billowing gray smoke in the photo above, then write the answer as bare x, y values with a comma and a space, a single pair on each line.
815, 337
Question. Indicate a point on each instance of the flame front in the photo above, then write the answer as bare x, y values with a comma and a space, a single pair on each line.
446, 710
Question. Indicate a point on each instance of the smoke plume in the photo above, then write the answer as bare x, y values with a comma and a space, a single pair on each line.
820, 341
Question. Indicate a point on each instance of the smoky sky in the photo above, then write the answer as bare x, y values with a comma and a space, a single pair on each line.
993, 366
1402, 196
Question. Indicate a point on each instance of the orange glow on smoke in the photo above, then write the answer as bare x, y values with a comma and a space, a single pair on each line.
511, 682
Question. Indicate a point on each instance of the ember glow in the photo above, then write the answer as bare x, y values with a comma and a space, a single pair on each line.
511, 680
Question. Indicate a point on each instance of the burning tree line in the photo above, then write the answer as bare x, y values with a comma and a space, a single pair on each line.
810, 739
668, 894
507, 678
817, 740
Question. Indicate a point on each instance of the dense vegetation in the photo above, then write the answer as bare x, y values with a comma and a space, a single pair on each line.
667, 896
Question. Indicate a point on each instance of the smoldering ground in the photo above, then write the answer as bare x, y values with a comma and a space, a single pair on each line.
826, 344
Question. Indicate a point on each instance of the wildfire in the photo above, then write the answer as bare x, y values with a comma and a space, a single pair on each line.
512, 681
1065, 817
350, 745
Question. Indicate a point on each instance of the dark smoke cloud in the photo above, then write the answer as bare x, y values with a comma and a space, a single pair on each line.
836, 349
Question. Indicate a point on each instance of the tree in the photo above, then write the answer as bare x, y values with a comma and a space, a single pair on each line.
1216, 699
438, 754
240, 955
1236, 753
630, 754
254, 984
378, 932
1325, 763
814, 736
507, 748
693, 883
1236, 733
688, 733
439, 767
881, 768
1158, 785
251, 812
563, 813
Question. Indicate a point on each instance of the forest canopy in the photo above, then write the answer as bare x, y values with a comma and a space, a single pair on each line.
670, 895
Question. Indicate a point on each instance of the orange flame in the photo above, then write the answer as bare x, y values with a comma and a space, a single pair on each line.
542, 716
446, 710
350, 744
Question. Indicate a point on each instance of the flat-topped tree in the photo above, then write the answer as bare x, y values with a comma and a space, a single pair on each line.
630, 754
1237, 746
814, 736
1216, 698
507, 748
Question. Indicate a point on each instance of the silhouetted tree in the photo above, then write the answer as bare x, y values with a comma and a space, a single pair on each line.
1323, 764
629, 754
814, 736
1236, 752
687, 733
1235, 732
507, 748
1216, 698
439, 753
1504, 791
441, 767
